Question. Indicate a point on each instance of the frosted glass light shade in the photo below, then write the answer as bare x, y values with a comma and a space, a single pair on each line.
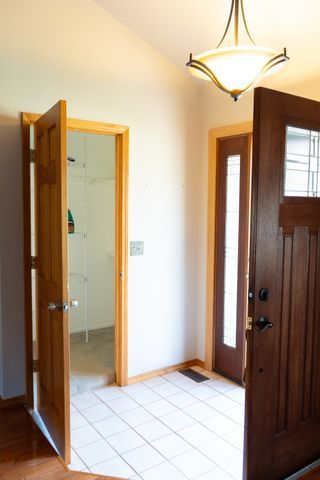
236, 69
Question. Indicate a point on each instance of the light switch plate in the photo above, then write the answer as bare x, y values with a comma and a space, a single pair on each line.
136, 248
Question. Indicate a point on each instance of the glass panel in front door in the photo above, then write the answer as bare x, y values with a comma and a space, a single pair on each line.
231, 250
302, 163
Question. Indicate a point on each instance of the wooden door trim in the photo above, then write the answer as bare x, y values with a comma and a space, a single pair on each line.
214, 135
25, 122
230, 361
121, 133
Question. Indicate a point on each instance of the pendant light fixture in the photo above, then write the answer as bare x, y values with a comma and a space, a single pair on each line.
238, 68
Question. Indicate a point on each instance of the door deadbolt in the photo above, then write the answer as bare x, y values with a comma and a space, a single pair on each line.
264, 294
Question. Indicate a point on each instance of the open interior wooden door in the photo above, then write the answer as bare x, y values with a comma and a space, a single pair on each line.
283, 369
52, 275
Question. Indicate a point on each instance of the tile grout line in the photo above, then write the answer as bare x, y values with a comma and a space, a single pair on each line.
126, 395
157, 418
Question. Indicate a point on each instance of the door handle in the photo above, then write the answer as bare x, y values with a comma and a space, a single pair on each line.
263, 324
54, 306
57, 306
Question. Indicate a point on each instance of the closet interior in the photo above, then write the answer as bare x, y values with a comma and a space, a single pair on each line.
91, 234
91, 244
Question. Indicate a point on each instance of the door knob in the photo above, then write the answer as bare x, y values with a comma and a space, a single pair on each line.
263, 324
74, 304
57, 306
54, 306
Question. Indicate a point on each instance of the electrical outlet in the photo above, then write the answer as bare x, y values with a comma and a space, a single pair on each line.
136, 248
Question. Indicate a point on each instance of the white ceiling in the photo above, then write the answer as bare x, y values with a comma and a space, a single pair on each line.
178, 27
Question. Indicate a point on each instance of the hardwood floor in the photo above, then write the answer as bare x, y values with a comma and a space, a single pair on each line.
25, 454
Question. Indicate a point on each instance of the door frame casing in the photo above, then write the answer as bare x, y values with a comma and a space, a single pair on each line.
121, 133
230, 361
215, 134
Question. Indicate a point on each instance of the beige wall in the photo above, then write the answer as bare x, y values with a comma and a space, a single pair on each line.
74, 50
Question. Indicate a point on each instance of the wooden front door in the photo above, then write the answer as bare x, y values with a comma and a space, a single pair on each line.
233, 170
283, 369
52, 275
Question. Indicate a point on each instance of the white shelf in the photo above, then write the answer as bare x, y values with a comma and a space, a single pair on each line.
77, 235
93, 180
77, 278
96, 180
76, 164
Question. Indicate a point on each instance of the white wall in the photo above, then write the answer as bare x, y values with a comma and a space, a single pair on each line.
91, 200
74, 50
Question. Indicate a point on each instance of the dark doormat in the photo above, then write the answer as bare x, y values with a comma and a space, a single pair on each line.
196, 376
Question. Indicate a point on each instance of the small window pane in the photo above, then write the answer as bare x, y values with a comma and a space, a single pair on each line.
231, 251
302, 163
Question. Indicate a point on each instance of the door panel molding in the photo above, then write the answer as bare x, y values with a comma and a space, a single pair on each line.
214, 135
121, 133
52, 276
282, 384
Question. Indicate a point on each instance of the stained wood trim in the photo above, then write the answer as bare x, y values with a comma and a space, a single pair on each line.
292, 214
121, 258
200, 363
121, 133
25, 123
214, 135
87, 126
12, 402
230, 361
162, 371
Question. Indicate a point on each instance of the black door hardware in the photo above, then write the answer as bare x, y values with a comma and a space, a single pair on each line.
263, 324
264, 294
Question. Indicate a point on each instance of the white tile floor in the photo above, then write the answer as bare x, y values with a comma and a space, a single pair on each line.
167, 427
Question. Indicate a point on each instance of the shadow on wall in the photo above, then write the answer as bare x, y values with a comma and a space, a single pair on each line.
11, 260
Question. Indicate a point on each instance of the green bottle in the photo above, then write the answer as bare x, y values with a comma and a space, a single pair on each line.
70, 222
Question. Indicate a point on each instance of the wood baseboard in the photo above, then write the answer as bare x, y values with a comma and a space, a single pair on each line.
162, 371
11, 402
312, 475
200, 363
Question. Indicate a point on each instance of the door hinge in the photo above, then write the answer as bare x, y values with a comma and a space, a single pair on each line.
32, 155
34, 263
35, 366
249, 323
